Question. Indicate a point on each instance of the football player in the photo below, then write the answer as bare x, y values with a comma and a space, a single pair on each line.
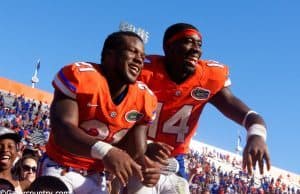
94, 107
184, 84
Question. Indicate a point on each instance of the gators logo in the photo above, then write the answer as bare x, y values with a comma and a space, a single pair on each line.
200, 93
133, 116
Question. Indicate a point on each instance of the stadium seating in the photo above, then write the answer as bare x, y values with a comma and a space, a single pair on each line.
210, 168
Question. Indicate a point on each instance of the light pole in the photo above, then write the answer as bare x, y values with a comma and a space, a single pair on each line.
34, 78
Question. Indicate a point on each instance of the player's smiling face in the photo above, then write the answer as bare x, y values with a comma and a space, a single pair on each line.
185, 52
132, 57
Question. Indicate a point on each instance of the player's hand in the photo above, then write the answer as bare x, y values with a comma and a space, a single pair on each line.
256, 151
122, 165
159, 152
151, 173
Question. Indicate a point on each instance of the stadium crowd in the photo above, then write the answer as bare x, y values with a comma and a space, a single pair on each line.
209, 171
215, 172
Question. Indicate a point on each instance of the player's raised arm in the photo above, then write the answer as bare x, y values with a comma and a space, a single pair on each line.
256, 148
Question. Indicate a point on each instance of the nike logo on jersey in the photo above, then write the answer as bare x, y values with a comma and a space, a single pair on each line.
92, 105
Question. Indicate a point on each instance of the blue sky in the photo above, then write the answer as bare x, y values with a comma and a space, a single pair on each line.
258, 40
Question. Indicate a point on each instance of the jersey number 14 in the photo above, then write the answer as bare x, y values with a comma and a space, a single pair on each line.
177, 124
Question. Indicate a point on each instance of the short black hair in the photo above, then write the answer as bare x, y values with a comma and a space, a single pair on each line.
174, 29
114, 40
6, 185
48, 183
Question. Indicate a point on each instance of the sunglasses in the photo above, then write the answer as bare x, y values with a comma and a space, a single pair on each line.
28, 168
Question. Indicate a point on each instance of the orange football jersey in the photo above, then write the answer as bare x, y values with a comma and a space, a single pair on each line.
98, 115
180, 105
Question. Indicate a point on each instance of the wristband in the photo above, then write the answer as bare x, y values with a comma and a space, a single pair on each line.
246, 117
100, 149
257, 129
172, 167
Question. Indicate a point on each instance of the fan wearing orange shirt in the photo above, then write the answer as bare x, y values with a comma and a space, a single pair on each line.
94, 107
184, 84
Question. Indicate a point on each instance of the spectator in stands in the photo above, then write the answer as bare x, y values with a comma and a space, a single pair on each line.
32, 149
28, 168
9, 142
25, 170
1, 101
87, 120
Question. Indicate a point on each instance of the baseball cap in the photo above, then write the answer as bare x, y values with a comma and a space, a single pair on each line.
6, 133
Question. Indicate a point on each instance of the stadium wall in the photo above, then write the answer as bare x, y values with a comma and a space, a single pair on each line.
22, 89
